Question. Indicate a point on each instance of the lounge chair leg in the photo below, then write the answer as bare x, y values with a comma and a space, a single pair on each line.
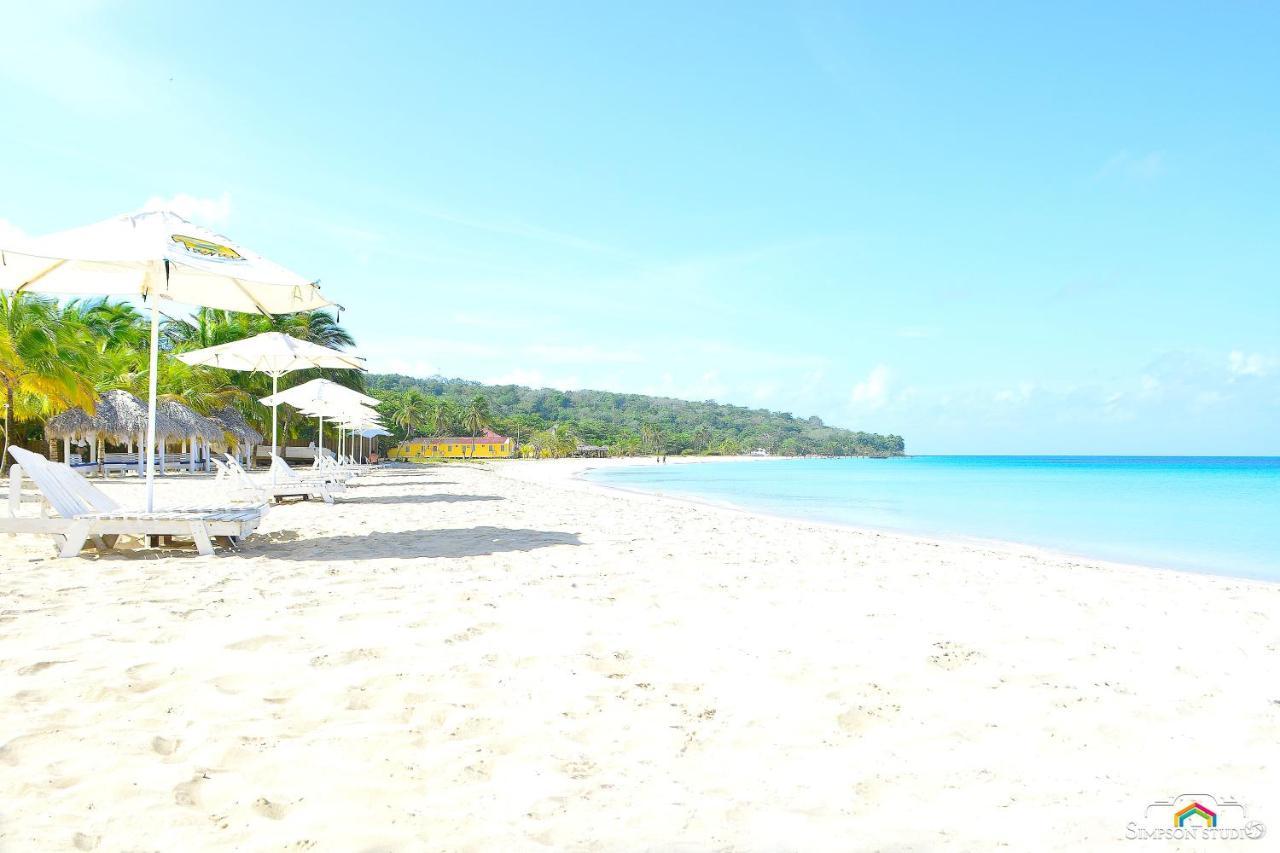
77, 533
110, 539
328, 498
200, 534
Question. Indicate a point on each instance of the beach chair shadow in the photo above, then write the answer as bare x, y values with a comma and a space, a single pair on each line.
421, 499
410, 544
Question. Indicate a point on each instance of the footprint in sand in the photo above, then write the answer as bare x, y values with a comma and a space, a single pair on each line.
583, 768
950, 656
164, 745
39, 667
188, 793
346, 657
142, 677
84, 841
252, 644
268, 809
231, 684
858, 718
474, 727
29, 697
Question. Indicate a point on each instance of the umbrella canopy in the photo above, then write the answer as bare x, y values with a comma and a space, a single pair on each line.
272, 353
317, 396
275, 354
319, 392
156, 255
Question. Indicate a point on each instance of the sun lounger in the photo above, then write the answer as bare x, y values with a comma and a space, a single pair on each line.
264, 490
84, 513
283, 473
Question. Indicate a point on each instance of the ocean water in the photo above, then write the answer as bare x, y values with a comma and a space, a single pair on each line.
1209, 514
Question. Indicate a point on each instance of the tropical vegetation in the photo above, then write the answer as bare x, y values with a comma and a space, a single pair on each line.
57, 356
547, 422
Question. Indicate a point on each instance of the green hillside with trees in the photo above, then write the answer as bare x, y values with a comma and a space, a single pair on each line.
556, 422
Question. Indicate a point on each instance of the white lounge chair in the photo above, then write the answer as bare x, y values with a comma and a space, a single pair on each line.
264, 490
86, 513
283, 473
339, 468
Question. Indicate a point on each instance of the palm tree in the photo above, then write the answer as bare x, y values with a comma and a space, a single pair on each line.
409, 411
652, 436
445, 416
476, 418
43, 362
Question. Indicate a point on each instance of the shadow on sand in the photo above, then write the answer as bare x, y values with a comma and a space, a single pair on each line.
416, 499
407, 544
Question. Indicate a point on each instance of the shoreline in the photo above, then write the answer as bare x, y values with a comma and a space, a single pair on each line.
1011, 547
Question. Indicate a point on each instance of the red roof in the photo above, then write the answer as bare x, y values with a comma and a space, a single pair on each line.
489, 437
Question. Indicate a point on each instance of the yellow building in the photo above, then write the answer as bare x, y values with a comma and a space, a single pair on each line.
488, 446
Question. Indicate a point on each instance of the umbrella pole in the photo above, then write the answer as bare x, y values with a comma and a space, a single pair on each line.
275, 451
151, 401
320, 452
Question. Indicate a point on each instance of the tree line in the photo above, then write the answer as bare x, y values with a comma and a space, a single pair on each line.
549, 422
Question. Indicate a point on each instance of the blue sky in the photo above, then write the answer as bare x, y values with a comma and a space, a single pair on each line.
986, 228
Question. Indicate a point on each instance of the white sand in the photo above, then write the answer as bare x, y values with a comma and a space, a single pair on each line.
461, 658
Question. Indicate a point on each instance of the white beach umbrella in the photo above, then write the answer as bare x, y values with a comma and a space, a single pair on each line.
274, 354
313, 397
348, 416
158, 256
351, 417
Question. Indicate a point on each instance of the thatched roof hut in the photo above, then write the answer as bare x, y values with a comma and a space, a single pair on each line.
117, 415
234, 423
72, 424
183, 422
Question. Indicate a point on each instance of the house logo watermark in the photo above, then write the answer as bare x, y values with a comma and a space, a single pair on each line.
1199, 817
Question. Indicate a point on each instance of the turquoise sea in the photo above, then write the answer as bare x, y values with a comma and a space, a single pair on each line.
1209, 514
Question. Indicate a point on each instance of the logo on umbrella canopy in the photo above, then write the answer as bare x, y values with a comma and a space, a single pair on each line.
206, 249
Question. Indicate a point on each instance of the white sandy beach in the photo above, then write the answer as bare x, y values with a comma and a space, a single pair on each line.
502, 658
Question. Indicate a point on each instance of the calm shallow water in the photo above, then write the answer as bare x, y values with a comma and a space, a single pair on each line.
1210, 514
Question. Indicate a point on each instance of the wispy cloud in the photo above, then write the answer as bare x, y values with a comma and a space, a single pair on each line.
10, 234
1242, 364
588, 354
535, 379
874, 390
215, 211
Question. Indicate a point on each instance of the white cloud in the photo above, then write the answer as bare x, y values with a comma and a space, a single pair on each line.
764, 391
1020, 394
206, 211
418, 368
1250, 364
10, 234
872, 391
589, 354
535, 379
